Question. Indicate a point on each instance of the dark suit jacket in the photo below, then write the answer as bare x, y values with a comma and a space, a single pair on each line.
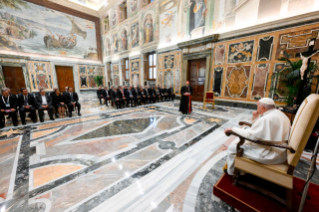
150, 91
68, 97
184, 88
31, 100
38, 100
119, 94
170, 91
145, 93
12, 101
106, 94
99, 93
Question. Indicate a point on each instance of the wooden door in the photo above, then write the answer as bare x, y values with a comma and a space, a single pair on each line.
196, 77
65, 77
14, 78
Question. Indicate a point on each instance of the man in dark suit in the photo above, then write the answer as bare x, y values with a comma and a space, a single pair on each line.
26, 103
65, 90
157, 92
121, 96
44, 102
99, 94
152, 97
130, 97
146, 95
11, 96
111, 90
165, 92
106, 96
162, 93
136, 96
8, 106
171, 95
115, 98
52, 94
127, 94
72, 101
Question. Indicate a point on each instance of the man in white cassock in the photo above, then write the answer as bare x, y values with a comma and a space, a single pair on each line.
269, 124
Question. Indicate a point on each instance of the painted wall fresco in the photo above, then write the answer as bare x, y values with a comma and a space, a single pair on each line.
219, 55
30, 28
148, 26
168, 27
115, 74
40, 74
93, 4
135, 34
87, 74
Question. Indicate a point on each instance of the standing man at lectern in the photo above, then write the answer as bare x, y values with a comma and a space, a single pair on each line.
186, 101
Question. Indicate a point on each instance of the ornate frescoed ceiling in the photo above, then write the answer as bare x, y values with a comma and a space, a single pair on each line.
92, 4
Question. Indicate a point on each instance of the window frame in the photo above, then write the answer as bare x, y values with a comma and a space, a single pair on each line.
152, 66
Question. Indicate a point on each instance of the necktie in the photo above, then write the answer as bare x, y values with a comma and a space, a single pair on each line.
26, 100
72, 97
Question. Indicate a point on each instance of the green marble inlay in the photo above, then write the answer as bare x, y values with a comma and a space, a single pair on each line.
120, 127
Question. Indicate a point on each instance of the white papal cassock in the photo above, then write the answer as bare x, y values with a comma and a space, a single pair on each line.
273, 125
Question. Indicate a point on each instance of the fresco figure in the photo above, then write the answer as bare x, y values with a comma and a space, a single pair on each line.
135, 35
124, 39
148, 29
133, 6
115, 44
197, 15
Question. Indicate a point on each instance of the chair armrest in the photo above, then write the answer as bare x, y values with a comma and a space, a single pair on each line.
245, 123
266, 143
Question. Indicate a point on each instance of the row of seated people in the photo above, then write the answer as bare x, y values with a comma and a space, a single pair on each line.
123, 96
24, 102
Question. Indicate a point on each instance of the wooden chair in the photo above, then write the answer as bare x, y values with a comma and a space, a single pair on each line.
209, 99
280, 174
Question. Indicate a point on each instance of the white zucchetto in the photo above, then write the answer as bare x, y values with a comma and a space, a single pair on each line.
267, 101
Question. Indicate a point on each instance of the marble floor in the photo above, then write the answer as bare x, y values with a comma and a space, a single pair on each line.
148, 158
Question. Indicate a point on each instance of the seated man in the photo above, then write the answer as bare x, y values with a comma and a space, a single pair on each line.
121, 97
115, 98
52, 94
72, 101
136, 96
130, 97
106, 96
99, 94
146, 95
272, 125
158, 95
171, 95
8, 106
26, 103
44, 102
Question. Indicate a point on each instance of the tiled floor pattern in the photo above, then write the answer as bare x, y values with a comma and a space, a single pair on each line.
149, 158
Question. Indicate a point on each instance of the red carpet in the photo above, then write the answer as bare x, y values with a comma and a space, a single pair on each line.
246, 200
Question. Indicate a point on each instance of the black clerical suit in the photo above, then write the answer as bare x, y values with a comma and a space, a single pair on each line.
70, 98
40, 103
106, 96
136, 96
127, 97
158, 95
185, 106
171, 94
165, 94
6, 104
130, 97
99, 94
27, 100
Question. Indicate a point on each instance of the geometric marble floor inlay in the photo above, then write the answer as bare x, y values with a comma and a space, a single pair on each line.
120, 127
148, 158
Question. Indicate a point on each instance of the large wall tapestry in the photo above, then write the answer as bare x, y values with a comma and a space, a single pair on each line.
31, 28
218, 80
241, 52
219, 55
265, 48
260, 81
87, 74
291, 44
40, 75
237, 79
